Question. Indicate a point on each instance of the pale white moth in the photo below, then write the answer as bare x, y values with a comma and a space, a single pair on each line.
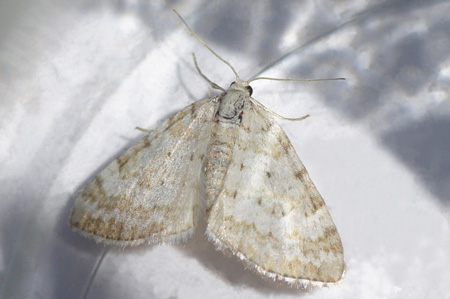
224, 158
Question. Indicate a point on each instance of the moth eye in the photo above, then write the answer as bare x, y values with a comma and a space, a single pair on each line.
249, 89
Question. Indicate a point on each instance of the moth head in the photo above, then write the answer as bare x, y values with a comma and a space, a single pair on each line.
242, 86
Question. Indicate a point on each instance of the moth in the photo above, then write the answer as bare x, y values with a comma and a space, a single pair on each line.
224, 158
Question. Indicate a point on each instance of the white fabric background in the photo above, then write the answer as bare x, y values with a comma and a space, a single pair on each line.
77, 77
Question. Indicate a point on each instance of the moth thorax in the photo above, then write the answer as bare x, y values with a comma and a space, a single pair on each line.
232, 104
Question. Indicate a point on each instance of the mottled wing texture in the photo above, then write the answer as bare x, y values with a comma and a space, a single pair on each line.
269, 212
150, 193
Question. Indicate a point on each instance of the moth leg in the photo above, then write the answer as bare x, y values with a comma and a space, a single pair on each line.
213, 85
143, 130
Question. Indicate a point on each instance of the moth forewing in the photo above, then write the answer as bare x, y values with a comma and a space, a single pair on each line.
150, 194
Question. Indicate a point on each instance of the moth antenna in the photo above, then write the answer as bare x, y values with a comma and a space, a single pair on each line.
206, 45
294, 79
213, 85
